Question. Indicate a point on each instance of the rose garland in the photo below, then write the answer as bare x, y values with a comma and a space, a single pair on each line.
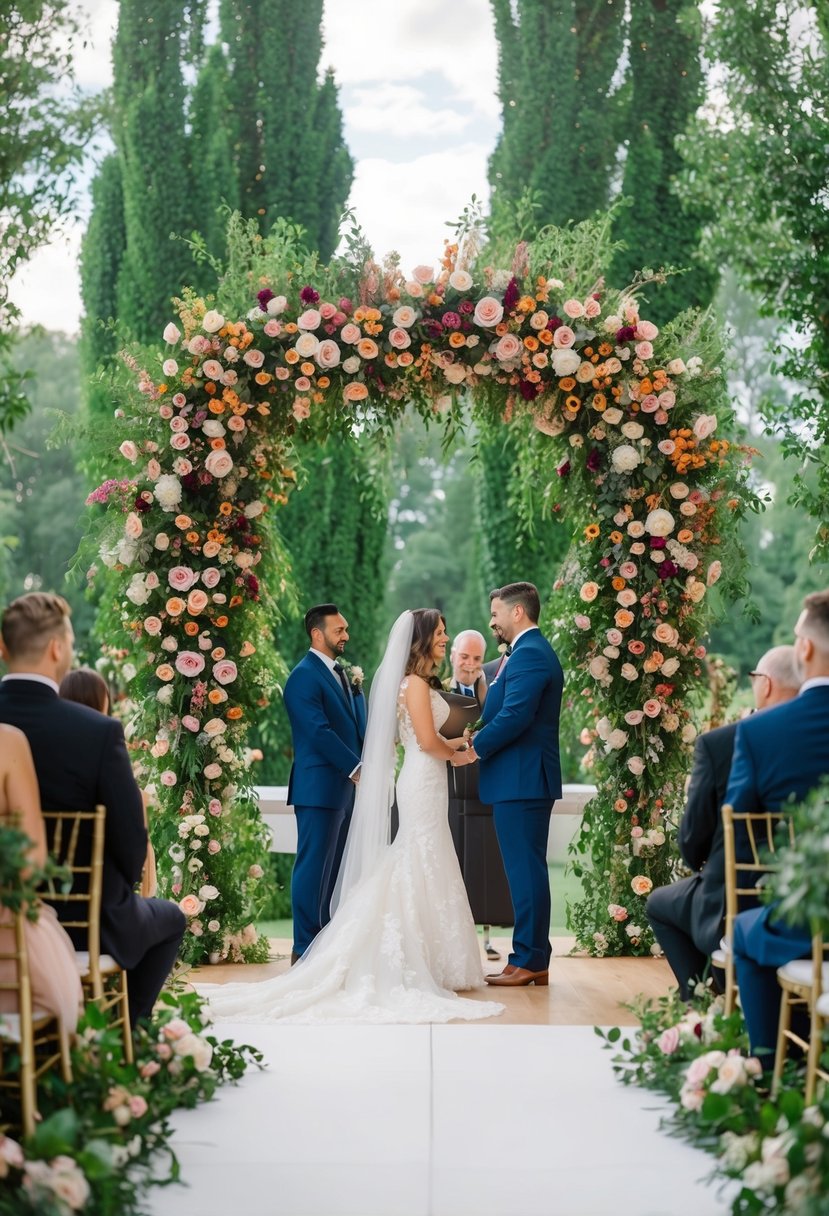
190, 529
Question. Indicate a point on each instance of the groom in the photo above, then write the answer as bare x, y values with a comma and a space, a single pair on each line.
521, 772
328, 722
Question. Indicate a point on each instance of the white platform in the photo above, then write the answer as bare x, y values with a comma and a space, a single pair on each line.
279, 816
432, 1121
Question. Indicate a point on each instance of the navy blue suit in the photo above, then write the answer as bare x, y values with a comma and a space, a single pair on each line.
327, 726
520, 778
782, 751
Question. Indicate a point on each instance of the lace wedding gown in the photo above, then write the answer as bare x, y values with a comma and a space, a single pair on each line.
403, 941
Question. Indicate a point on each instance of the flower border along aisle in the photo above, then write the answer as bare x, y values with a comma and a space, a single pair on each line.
206, 459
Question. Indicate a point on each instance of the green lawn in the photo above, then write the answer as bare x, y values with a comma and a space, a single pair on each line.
561, 888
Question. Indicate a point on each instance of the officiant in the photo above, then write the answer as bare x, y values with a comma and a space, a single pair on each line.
470, 820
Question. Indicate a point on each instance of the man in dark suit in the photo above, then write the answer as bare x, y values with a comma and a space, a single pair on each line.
81, 760
328, 723
521, 772
687, 916
778, 754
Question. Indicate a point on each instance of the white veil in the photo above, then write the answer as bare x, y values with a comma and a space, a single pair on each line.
369, 833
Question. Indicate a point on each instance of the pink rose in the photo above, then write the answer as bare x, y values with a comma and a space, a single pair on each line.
423, 275
219, 463
182, 466
310, 319
138, 1106
181, 578
667, 400
189, 663
714, 572
399, 338
224, 672
213, 847
196, 601
235, 423
652, 708
214, 807
628, 570
179, 424
508, 348
705, 425
301, 409
302, 384
328, 354
212, 369
152, 624
273, 328
649, 404
636, 647
188, 721
133, 526
210, 576
168, 778
128, 450
171, 334
563, 338
581, 621
180, 442
149, 1069
669, 1040
212, 771
646, 330
489, 312
633, 717
614, 637
165, 411
573, 308
592, 308
666, 446
253, 358
179, 400
644, 350
169, 367
666, 634
255, 871
153, 469
350, 334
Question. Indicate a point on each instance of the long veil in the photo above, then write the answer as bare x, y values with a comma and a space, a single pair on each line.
369, 833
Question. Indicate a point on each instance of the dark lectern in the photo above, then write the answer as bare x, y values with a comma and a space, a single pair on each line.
473, 830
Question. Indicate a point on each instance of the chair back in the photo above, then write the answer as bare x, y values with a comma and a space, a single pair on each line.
13, 950
76, 840
760, 839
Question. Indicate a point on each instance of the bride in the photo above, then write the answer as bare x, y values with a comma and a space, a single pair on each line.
401, 942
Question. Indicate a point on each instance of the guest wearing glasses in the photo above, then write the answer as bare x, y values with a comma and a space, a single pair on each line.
688, 916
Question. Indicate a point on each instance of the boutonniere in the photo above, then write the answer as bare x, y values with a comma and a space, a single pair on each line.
353, 674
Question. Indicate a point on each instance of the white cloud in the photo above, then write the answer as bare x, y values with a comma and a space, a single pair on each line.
400, 110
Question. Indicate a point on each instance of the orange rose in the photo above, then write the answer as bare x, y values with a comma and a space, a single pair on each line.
234, 713
217, 653
291, 356
221, 621
623, 619
367, 348
216, 696
355, 391
164, 672
192, 538
191, 628
182, 521
175, 606
216, 407
457, 339
263, 377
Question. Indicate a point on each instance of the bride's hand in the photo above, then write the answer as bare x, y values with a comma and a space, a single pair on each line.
463, 756
458, 745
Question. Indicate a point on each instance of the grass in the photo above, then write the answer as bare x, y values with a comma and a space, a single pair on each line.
562, 888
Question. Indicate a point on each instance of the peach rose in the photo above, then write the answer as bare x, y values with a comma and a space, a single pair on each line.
191, 905
133, 526
219, 463
589, 591
623, 618
196, 602
350, 334
175, 606
404, 317
423, 275
665, 634
641, 885
705, 425
399, 339
181, 578
652, 708
164, 672
328, 354
356, 391
507, 348
573, 308
488, 312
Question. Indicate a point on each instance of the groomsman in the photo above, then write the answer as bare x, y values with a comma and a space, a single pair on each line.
328, 723
521, 772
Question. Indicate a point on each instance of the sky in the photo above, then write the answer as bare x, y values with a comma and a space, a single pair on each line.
418, 92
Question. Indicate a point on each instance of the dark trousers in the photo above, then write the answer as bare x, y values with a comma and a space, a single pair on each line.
669, 910
522, 829
761, 945
321, 834
165, 923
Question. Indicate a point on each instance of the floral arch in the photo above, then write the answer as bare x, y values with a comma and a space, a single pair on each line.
627, 429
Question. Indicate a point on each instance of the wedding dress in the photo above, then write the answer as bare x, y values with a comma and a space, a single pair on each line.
401, 941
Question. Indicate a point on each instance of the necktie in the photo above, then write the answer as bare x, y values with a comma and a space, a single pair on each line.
467, 691
343, 680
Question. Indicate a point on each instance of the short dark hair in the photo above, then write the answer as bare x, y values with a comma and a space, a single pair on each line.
816, 624
315, 617
86, 687
525, 594
31, 621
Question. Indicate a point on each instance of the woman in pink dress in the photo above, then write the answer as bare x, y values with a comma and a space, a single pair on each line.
56, 984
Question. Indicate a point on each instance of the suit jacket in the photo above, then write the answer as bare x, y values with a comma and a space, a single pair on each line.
780, 752
327, 730
518, 743
700, 836
455, 687
81, 760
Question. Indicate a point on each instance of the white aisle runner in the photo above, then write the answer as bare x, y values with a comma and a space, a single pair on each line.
432, 1121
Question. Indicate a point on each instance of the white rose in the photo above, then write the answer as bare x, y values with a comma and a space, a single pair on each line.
254, 509
212, 321
603, 727
351, 365
307, 345
612, 416
616, 739
676, 367
171, 334
167, 491
625, 458
213, 428
629, 672
565, 362
636, 765
461, 280
598, 667
219, 463
669, 667
660, 522
633, 430
137, 591
276, 305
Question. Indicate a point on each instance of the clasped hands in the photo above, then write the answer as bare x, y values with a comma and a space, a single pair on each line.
462, 751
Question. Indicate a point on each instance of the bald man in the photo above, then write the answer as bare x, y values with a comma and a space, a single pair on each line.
688, 916
467, 659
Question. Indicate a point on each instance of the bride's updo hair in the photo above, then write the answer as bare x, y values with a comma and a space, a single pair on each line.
420, 661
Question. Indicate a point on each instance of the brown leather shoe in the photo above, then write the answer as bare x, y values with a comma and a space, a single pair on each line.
508, 970
519, 977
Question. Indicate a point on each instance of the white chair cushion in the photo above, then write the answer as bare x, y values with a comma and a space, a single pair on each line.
720, 957
799, 971
823, 1005
108, 963
10, 1024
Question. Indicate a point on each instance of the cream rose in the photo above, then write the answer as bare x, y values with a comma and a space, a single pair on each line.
404, 317
625, 458
660, 522
460, 280
507, 348
589, 591
219, 463
565, 362
705, 425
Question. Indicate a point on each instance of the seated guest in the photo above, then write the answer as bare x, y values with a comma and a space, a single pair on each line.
467, 659
781, 753
53, 971
81, 760
687, 916
87, 687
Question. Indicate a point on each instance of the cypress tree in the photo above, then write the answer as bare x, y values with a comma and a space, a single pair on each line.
214, 181
660, 228
102, 255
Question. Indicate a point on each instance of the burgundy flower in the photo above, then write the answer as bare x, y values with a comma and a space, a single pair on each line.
309, 296
626, 334
528, 390
466, 326
657, 542
563, 469
451, 320
241, 523
264, 297
433, 328
346, 306
466, 306
190, 481
554, 323
512, 295
667, 569
141, 505
594, 461
252, 584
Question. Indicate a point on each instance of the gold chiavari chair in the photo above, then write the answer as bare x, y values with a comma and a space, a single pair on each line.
32, 1041
76, 840
760, 834
805, 985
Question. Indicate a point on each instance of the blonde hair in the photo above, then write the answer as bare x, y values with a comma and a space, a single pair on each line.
31, 621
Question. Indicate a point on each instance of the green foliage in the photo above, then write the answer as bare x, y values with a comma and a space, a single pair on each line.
758, 164
102, 256
800, 882
20, 881
660, 228
43, 131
